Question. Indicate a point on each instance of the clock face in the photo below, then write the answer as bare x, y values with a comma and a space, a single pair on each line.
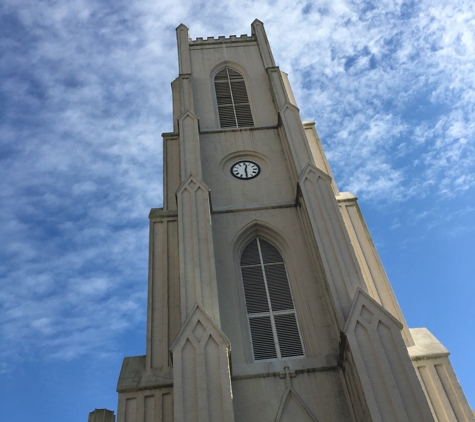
245, 170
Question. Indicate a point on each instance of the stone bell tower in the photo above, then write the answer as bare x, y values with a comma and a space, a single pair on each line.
267, 300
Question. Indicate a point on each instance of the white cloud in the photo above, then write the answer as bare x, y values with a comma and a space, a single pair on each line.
88, 94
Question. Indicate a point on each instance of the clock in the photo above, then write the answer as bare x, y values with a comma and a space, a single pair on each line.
245, 170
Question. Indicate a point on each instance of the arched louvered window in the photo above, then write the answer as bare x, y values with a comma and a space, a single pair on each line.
270, 308
233, 103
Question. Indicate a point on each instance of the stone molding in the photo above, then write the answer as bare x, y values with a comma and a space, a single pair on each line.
190, 155
163, 310
201, 372
372, 269
318, 154
183, 38
295, 135
259, 33
388, 379
437, 377
337, 255
185, 92
287, 414
197, 265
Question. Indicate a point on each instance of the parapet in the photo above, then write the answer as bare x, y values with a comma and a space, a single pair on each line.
223, 39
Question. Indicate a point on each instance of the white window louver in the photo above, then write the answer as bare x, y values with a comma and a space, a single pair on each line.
270, 308
233, 103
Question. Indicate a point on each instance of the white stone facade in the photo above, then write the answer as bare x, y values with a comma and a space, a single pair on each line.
360, 361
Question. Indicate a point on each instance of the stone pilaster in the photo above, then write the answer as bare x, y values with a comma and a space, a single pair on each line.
197, 266
163, 310
202, 381
389, 382
190, 157
318, 154
437, 377
291, 129
336, 253
183, 41
264, 48
374, 275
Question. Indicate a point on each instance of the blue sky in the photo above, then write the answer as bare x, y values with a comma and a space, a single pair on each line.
85, 94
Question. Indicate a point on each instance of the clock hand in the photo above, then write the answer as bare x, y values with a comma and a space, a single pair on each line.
245, 169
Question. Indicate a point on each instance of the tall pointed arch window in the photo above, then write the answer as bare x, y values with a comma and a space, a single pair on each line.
269, 304
233, 103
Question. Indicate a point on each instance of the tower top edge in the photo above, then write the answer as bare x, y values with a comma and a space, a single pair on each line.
223, 39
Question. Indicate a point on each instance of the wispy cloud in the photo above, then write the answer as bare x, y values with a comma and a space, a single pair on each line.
85, 89
410, 67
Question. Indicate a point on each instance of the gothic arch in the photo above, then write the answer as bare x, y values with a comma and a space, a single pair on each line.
269, 234
265, 231
249, 118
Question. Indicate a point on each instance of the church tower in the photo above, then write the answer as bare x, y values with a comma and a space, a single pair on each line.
267, 300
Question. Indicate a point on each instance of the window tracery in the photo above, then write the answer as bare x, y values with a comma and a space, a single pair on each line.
269, 304
234, 109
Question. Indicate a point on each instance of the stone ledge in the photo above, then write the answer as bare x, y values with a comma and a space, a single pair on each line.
426, 345
134, 377
225, 210
237, 129
346, 197
275, 368
159, 213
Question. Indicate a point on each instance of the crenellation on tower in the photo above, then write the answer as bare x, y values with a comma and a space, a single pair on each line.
232, 39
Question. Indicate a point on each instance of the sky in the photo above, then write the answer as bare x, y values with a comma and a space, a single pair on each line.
84, 97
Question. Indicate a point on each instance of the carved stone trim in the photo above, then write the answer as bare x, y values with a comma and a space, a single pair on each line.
388, 379
197, 265
202, 383
334, 246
